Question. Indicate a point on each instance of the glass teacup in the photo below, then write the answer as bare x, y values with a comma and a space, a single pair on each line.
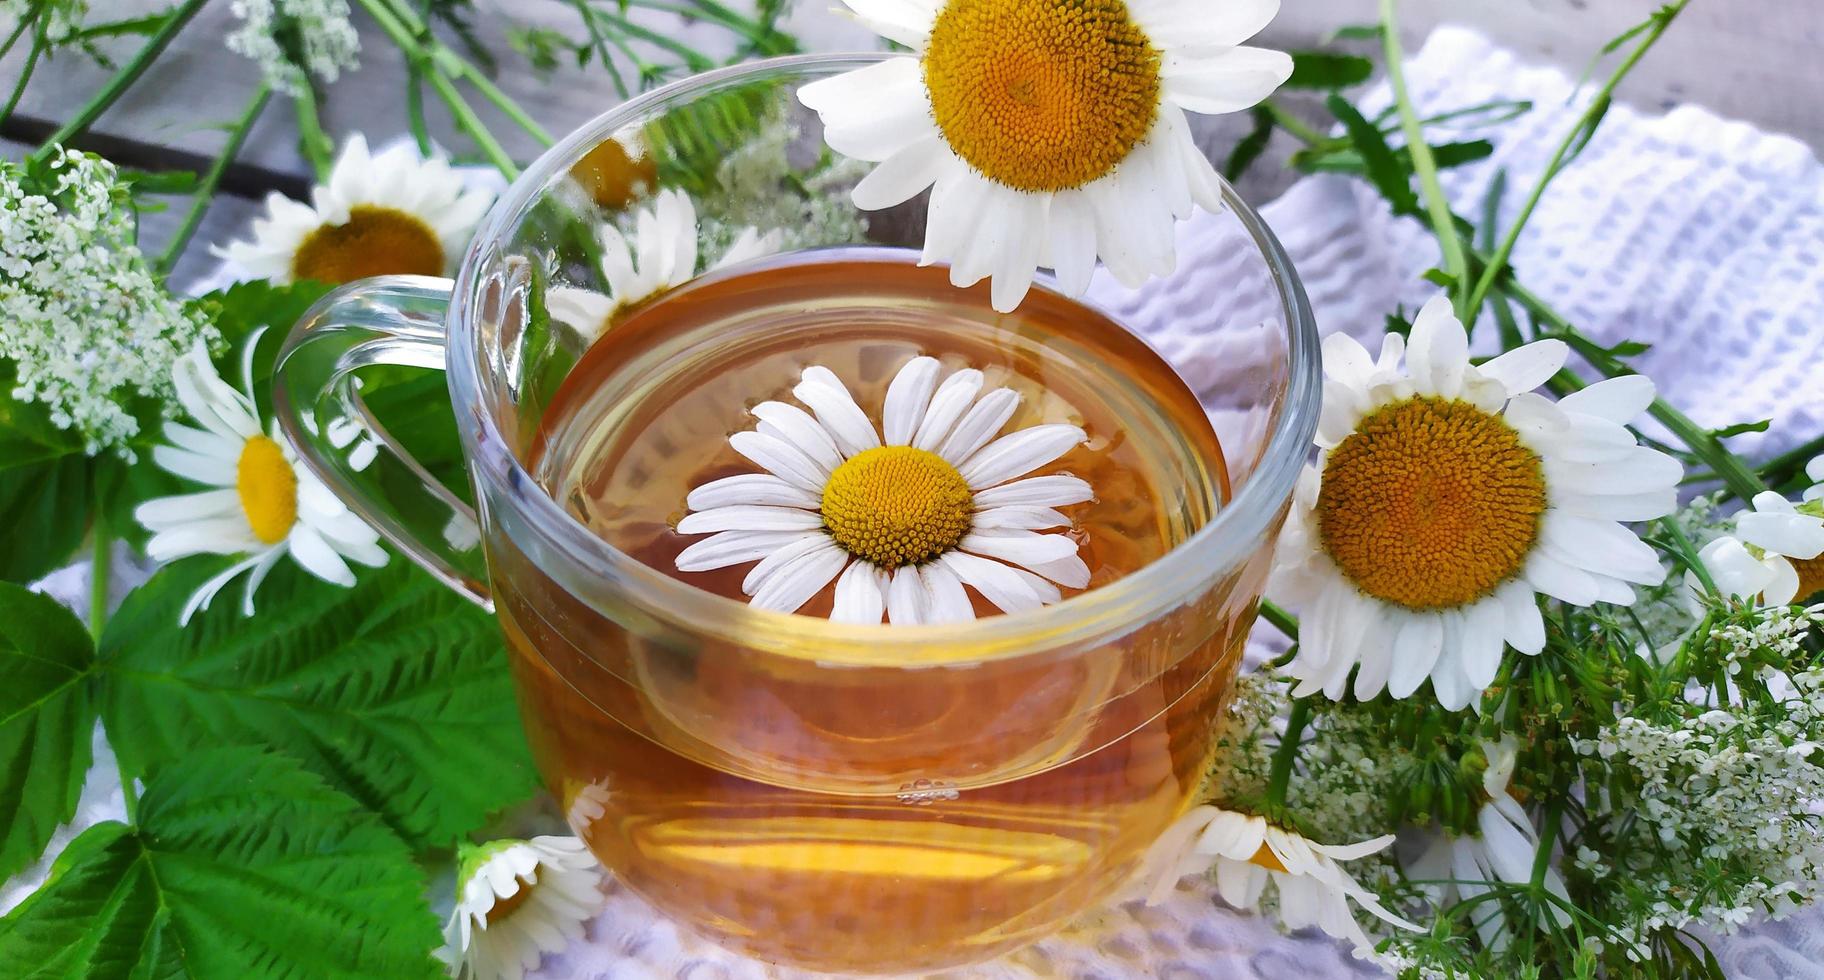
841, 797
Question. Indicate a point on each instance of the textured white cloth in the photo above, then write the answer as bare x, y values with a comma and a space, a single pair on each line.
1701, 236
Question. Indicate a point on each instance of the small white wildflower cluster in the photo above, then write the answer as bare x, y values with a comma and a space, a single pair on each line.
295, 40
750, 179
1723, 811
85, 323
60, 18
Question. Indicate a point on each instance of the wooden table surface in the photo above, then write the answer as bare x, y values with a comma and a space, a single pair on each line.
1758, 60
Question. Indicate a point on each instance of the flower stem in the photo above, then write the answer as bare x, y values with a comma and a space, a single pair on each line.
437, 63
100, 571
1443, 223
1280, 776
316, 144
1282, 620
206, 190
470, 123
25, 74
1579, 134
122, 80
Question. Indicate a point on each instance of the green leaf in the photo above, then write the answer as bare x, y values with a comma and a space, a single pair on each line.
244, 866
1742, 428
1251, 146
1383, 168
1357, 32
47, 714
45, 484
395, 690
1327, 70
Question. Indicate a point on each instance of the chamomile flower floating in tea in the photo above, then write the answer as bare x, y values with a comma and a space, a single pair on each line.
1247, 852
1051, 133
264, 506
1504, 852
391, 213
662, 257
1446, 497
517, 900
900, 518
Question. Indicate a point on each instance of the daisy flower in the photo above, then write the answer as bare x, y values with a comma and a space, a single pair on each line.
263, 505
1776, 556
1814, 470
390, 213
902, 518
515, 901
1504, 852
1447, 497
617, 171
1051, 133
1248, 852
663, 256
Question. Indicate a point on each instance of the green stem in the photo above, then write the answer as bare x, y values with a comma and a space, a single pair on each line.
693, 59
128, 794
1280, 776
1793, 459
1442, 222
1289, 122
1282, 620
414, 111
601, 45
1578, 134
399, 24
122, 80
19, 29
316, 144
25, 75
500, 99
100, 571
206, 190
716, 13
470, 123
1688, 554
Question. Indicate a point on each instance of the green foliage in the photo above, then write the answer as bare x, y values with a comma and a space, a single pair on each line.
47, 712
1379, 163
44, 476
1327, 70
243, 865
395, 691
1249, 147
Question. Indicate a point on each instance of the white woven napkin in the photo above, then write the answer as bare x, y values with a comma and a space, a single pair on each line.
1699, 235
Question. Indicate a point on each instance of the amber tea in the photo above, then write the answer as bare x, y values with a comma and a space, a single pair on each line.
912, 813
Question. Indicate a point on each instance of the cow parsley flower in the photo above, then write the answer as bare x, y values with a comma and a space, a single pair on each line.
294, 41
60, 18
91, 333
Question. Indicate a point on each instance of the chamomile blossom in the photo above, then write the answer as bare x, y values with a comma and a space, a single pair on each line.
91, 334
262, 505
1246, 851
387, 213
662, 257
1447, 496
901, 518
1050, 133
294, 41
1775, 556
517, 900
1814, 470
1504, 851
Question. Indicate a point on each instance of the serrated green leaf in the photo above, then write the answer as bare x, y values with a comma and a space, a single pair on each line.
45, 480
396, 690
1382, 166
47, 715
1327, 70
1250, 147
243, 866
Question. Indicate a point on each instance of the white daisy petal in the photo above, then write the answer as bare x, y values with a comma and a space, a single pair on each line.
1227, 80
1620, 400
1045, 491
903, 175
908, 598
1415, 652
907, 398
798, 580
749, 517
945, 598
859, 594
1070, 572
1020, 453
787, 553
1437, 353
871, 113
948, 404
726, 548
999, 584
980, 425
1027, 518
779, 458
794, 426
1528, 367
1524, 626
309, 549
1019, 547
830, 401
751, 488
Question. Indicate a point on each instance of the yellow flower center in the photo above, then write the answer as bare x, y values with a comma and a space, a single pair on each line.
1264, 857
374, 241
504, 907
1430, 503
614, 179
269, 489
1041, 95
896, 505
1811, 577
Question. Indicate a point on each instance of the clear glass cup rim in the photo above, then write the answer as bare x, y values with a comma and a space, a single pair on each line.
1177, 576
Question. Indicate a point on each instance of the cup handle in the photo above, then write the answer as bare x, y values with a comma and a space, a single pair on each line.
396, 320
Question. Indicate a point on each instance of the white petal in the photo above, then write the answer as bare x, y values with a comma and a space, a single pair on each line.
1415, 652
905, 21
791, 551
1026, 518
1073, 242
1604, 547
1523, 625
1020, 453
871, 113
764, 489
212, 470
171, 511
946, 602
980, 425
999, 584
1058, 490
735, 547
750, 517
779, 458
1193, 23
1070, 572
1644, 506
948, 404
829, 399
1528, 367
1639, 470
1558, 580
1437, 353
1483, 638
1229, 80
1019, 547
1791, 534
859, 596
798, 580
907, 397
309, 549
907, 597
1620, 400
794, 426
903, 175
